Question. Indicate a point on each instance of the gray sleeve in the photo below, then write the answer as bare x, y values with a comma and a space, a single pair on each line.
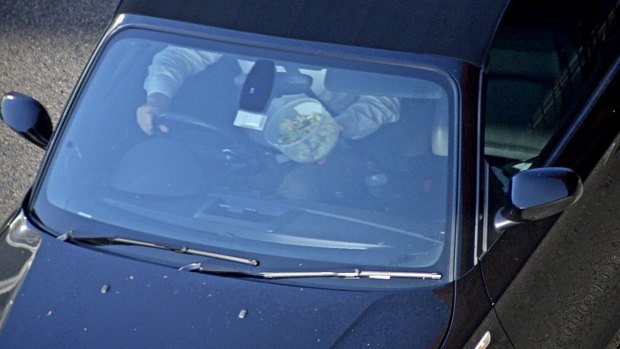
172, 65
367, 114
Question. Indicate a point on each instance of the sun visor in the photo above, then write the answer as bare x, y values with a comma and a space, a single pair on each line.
366, 83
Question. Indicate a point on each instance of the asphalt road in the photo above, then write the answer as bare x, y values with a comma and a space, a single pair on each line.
570, 286
44, 45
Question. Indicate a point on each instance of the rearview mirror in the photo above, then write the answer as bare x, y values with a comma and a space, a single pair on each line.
539, 193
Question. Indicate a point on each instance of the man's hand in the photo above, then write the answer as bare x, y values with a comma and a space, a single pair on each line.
144, 116
156, 104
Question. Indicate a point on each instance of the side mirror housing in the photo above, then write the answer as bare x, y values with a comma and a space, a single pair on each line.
27, 117
539, 193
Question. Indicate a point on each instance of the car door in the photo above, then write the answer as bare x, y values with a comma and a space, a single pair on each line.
549, 89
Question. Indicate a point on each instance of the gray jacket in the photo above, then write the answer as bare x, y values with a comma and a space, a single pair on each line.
358, 115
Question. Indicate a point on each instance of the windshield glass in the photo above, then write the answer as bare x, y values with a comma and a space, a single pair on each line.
302, 161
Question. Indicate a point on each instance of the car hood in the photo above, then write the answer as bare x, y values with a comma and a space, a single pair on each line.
78, 297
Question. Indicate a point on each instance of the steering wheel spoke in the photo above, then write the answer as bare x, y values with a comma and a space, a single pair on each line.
211, 142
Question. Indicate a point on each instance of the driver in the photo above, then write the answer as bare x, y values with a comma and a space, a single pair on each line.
358, 116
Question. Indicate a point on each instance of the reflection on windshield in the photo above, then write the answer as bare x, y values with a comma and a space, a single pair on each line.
269, 153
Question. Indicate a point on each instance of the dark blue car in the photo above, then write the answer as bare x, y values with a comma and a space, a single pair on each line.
305, 174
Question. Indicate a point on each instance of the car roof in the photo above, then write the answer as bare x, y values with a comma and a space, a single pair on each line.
459, 29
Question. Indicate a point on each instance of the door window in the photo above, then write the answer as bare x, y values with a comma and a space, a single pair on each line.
546, 59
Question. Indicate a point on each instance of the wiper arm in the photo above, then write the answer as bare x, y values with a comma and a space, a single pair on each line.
104, 241
352, 274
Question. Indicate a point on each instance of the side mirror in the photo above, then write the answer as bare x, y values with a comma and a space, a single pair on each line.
27, 117
539, 193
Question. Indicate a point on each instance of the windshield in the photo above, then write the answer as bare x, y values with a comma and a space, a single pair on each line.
302, 161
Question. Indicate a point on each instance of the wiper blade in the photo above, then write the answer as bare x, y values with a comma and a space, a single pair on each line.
104, 241
351, 274
354, 274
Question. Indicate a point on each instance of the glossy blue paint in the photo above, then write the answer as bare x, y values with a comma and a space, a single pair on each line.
27, 117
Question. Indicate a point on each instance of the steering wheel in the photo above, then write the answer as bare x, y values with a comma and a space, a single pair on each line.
186, 121
211, 142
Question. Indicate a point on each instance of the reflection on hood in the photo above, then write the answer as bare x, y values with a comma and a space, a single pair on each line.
18, 246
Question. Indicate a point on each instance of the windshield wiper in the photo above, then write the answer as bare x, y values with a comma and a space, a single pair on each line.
104, 241
350, 274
